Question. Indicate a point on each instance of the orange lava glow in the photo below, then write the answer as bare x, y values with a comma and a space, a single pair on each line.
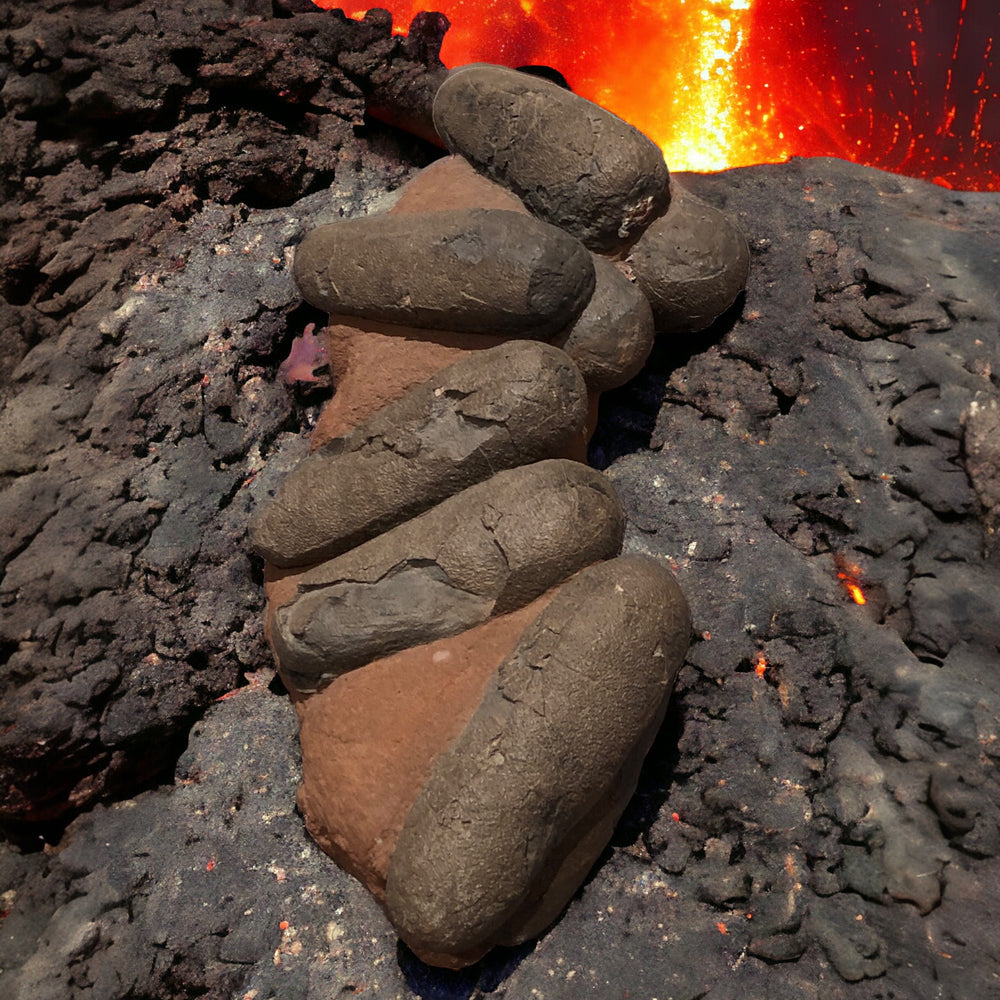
760, 664
853, 588
911, 86
849, 575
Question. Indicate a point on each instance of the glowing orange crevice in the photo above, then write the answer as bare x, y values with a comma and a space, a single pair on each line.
723, 83
853, 588
760, 664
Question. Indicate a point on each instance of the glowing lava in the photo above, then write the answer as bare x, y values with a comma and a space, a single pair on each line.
849, 575
909, 85
851, 586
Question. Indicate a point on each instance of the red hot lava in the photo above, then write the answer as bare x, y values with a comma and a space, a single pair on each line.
906, 85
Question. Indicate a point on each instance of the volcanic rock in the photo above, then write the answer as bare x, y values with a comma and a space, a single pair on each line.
146, 231
571, 162
375, 363
488, 550
402, 87
691, 263
496, 409
517, 809
476, 270
359, 780
981, 446
145, 274
612, 338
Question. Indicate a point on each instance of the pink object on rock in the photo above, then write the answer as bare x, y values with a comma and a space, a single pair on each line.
308, 352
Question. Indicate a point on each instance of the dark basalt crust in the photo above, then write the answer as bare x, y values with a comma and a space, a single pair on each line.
472, 270
571, 162
161, 163
486, 551
495, 409
543, 749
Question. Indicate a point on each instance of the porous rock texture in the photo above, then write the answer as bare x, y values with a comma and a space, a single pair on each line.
846, 800
145, 287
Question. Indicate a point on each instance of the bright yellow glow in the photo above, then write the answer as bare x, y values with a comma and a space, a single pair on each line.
701, 124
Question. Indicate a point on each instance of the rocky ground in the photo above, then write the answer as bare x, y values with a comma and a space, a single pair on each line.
820, 814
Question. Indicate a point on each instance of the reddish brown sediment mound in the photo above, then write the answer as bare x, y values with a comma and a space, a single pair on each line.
411, 552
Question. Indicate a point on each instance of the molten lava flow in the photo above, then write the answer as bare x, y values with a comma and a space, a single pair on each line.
853, 588
910, 85
760, 664
849, 575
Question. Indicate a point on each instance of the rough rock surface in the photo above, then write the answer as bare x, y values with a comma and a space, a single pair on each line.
146, 295
981, 449
814, 796
571, 162
485, 551
472, 270
516, 403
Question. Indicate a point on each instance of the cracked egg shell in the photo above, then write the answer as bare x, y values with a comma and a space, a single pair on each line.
488, 550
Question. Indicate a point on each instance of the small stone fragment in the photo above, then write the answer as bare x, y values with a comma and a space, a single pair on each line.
570, 161
473, 270
854, 947
691, 264
981, 451
496, 409
487, 550
611, 340
517, 809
